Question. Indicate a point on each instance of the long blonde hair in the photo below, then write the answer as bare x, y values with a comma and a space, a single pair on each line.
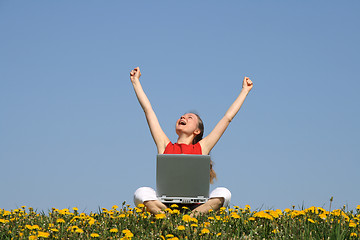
197, 139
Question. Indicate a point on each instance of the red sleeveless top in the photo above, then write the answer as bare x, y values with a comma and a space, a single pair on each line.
176, 148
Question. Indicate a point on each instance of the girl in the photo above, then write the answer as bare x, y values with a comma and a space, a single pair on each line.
190, 130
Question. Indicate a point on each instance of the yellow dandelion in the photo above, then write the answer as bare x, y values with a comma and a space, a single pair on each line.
206, 224
79, 230
4, 221
34, 227
28, 227
91, 221
181, 227
138, 210
193, 225
186, 208
205, 231
194, 220
33, 237
222, 208
43, 234
218, 234
174, 206
160, 216
264, 215
186, 218
310, 220
353, 235
114, 230
115, 207
210, 210
54, 230
234, 215
75, 209
251, 219
211, 218
169, 236
358, 207
128, 233
162, 237
352, 224
169, 210
175, 211
94, 235
247, 207
60, 220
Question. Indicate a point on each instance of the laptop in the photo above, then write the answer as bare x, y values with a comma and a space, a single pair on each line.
182, 178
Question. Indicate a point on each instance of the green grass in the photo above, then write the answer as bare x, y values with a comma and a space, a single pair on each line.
136, 223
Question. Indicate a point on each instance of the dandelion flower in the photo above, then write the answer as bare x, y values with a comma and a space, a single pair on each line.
174, 206
310, 220
114, 230
54, 230
43, 234
181, 227
79, 230
94, 235
353, 235
35, 227
186, 218
128, 233
75, 209
205, 231
218, 234
352, 224
60, 220
193, 225
33, 237
160, 216
169, 236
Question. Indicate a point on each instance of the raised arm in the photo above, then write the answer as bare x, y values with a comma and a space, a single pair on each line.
210, 140
160, 139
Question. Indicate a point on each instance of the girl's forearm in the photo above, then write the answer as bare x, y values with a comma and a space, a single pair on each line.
235, 107
141, 96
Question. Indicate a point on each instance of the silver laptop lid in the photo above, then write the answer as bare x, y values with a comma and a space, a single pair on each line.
182, 175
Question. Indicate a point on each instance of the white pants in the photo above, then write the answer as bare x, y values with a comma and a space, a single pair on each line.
147, 193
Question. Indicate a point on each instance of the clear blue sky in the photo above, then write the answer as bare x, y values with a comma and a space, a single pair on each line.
72, 133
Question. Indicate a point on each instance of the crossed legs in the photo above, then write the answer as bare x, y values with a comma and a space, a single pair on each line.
155, 206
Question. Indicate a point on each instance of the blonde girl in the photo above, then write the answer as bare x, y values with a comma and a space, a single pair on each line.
189, 128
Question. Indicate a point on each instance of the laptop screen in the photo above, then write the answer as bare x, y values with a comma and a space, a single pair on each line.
182, 175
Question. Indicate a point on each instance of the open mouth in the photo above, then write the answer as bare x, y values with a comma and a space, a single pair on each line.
182, 122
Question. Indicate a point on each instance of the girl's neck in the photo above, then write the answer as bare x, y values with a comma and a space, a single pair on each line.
185, 140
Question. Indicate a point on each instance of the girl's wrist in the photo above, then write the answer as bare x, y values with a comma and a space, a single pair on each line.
244, 90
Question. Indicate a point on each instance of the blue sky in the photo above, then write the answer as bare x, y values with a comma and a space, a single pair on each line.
72, 133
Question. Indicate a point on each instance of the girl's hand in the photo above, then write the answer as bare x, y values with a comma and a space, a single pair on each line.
135, 74
247, 84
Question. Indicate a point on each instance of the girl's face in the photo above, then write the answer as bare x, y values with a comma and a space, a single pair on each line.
188, 123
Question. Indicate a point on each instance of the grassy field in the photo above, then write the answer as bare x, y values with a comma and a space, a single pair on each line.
135, 223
